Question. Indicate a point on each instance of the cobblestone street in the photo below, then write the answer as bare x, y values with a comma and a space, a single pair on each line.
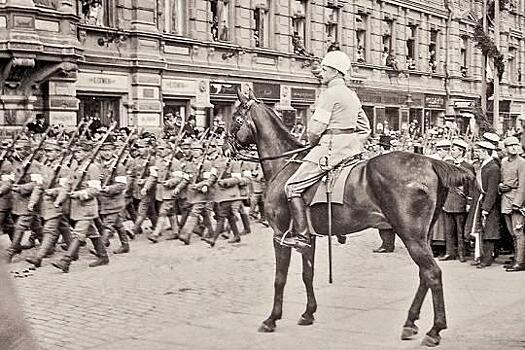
170, 296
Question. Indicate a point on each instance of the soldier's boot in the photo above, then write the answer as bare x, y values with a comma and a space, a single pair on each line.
301, 240
31, 241
262, 218
218, 230
246, 224
102, 253
161, 222
48, 243
105, 236
15, 248
461, 251
124, 243
137, 225
183, 218
174, 228
206, 220
187, 230
519, 255
235, 230
64, 263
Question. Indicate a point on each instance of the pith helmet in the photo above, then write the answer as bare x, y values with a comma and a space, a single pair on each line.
337, 60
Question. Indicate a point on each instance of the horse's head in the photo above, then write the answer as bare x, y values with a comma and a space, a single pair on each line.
243, 130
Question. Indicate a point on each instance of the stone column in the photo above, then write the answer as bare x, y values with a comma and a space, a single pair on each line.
145, 107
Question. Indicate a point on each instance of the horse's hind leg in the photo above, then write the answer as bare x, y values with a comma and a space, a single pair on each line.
282, 262
430, 277
410, 329
307, 318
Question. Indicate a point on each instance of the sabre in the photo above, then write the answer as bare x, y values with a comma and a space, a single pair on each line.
325, 166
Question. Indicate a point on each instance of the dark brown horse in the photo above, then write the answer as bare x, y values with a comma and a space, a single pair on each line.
399, 190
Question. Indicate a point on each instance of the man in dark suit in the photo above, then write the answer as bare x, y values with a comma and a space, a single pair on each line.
455, 207
484, 216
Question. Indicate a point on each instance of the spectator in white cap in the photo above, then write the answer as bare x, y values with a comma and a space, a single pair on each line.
495, 140
442, 149
484, 217
456, 206
512, 189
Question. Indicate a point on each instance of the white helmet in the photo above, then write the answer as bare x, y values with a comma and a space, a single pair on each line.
337, 60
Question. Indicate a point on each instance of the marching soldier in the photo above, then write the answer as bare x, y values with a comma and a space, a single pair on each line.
166, 175
203, 176
86, 185
143, 195
27, 173
7, 176
44, 196
257, 185
111, 197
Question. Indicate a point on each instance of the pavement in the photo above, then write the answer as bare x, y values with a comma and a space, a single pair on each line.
170, 296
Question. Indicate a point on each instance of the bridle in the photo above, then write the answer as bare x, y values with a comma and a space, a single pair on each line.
242, 116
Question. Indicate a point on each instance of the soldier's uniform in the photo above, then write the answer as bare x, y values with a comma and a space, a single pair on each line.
339, 128
198, 193
112, 199
167, 174
143, 192
22, 187
46, 197
227, 194
7, 176
257, 188
85, 186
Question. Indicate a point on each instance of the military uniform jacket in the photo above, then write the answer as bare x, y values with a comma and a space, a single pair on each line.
21, 198
459, 197
229, 182
257, 180
113, 197
339, 107
48, 210
512, 175
86, 207
166, 177
207, 177
7, 177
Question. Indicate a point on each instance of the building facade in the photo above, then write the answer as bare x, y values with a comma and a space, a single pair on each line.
136, 61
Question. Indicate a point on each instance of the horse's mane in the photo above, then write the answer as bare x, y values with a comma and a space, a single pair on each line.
280, 127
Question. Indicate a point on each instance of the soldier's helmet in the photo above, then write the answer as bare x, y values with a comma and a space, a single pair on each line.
337, 60
52, 145
185, 144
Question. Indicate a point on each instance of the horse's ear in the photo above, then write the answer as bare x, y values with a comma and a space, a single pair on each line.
252, 96
242, 97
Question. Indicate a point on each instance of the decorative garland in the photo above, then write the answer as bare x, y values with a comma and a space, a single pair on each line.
486, 43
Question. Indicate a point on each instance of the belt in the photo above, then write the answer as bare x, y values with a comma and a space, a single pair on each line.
339, 131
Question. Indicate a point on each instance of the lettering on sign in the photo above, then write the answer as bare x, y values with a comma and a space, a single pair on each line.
218, 88
267, 91
102, 82
179, 87
435, 101
148, 119
24, 22
302, 94
64, 118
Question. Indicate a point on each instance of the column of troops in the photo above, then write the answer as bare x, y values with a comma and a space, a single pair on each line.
475, 215
67, 190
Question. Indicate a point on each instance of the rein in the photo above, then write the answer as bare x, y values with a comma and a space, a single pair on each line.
249, 158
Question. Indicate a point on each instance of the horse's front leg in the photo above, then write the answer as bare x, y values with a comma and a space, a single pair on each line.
282, 262
307, 318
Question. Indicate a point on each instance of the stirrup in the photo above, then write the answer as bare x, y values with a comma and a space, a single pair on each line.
282, 242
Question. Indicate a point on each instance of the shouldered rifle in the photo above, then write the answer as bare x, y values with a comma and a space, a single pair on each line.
203, 158
117, 161
63, 156
7, 151
27, 162
85, 165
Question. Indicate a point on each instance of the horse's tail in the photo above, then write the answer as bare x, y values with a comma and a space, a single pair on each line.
450, 175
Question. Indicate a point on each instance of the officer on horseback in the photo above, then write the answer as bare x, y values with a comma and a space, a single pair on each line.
338, 128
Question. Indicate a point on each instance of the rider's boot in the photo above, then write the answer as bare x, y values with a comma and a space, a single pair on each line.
301, 240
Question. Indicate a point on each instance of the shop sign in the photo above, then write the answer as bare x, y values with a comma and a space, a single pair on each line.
224, 89
179, 87
267, 91
302, 94
102, 82
463, 104
435, 101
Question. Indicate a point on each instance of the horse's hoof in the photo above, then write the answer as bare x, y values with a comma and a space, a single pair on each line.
430, 342
306, 321
409, 332
264, 328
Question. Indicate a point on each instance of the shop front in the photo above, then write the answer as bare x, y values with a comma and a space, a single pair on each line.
434, 111
177, 94
102, 96
223, 96
303, 101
